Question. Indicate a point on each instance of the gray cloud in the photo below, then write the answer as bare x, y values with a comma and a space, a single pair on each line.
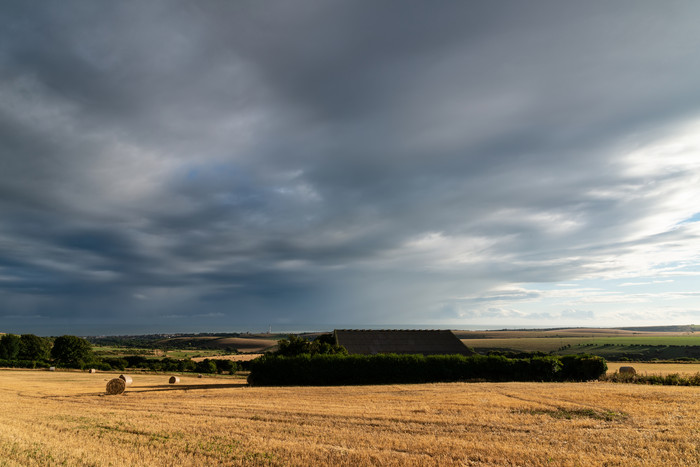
337, 162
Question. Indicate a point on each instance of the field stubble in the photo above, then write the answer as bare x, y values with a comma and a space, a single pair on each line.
656, 368
65, 418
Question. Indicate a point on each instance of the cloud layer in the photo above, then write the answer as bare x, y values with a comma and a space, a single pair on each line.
187, 166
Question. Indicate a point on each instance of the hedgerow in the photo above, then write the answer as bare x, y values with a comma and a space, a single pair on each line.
673, 379
324, 370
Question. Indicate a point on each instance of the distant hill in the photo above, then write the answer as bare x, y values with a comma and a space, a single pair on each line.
640, 331
229, 342
239, 344
683, 328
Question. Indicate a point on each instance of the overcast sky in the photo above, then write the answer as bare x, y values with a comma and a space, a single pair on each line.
217, 166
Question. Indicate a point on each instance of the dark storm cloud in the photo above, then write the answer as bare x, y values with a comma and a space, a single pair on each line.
335, 161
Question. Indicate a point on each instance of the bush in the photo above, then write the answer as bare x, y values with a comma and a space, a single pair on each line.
225, 366
103, 366
673, 379
205, 366
296, 345
582, 367
19, 363
116, 363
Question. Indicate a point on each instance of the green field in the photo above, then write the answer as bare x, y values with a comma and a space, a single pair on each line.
115, 351
615, 347
651, 340
526, 344
195, 353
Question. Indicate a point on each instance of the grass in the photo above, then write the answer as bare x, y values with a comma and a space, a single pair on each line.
114, 351
649, 340
54, 418
568, 414
526, 344
193, 353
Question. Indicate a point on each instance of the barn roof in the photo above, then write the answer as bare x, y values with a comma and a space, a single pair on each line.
426, 342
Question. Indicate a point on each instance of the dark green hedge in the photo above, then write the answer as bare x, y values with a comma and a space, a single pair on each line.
323, 370
4, 363
673, 379
214, 365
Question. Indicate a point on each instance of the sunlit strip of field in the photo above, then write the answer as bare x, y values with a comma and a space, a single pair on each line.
113, 351
526, 344
245, 357
64, 418
657, 368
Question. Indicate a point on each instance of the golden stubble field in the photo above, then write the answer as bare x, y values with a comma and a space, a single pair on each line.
652, 368
64, 418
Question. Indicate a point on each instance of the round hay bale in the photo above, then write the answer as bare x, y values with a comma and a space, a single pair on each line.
200, 376
627, 370
92, 371
127, 379
116, 386
52, 368
174, 379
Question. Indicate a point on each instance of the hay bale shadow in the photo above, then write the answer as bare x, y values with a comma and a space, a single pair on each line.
187, 387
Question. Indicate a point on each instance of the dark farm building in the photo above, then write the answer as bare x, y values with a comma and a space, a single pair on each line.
425, 342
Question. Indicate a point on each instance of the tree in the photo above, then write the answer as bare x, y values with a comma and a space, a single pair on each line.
325, 344
72, 352
9, 347
296, 345
33, 347
205, 366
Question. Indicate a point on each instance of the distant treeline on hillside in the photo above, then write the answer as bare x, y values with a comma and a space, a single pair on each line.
683, 328
31, 351
157, 341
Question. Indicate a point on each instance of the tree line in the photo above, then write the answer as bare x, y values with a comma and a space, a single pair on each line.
26, 348
31, 351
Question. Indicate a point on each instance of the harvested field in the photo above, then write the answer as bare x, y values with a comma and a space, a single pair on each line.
657, 368
235, 358
64, 417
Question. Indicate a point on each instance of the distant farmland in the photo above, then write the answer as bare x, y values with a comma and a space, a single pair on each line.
182, 346
525, 344
635, 344
240, 344
548, 344
650, 340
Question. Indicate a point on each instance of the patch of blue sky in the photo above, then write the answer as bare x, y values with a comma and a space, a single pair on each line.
694, 218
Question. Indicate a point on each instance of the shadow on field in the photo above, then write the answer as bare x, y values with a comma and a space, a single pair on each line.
185, 387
